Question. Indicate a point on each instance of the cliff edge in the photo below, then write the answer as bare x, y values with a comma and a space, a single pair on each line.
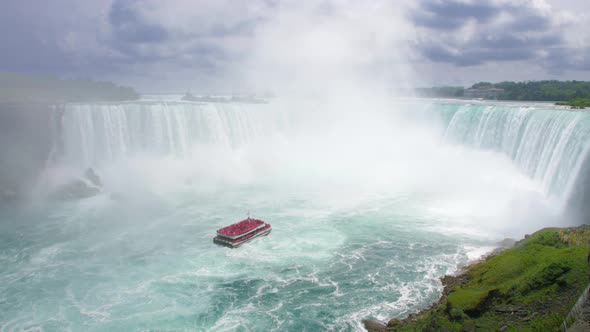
530, 287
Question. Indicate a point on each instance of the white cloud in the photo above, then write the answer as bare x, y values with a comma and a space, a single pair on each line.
250, 44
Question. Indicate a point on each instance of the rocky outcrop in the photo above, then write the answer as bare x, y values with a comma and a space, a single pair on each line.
84, 187
580, 312
76, 189
582, 323
374, 325
91, 176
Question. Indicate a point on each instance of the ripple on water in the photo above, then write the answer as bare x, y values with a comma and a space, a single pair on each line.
324, 271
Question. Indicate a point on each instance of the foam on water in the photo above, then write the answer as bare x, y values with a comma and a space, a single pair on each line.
368, 212
161, 271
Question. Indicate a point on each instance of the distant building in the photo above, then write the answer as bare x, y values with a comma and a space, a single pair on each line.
486, 92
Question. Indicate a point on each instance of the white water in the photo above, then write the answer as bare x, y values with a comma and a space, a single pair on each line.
369, 208
99, 132
548, 144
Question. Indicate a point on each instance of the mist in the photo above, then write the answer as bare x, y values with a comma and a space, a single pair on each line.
334, 132
333, 49
298, 113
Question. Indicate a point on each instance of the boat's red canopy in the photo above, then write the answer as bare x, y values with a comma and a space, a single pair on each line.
241, 227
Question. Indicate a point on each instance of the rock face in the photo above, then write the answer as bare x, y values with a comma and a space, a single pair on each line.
374, 325
582, 322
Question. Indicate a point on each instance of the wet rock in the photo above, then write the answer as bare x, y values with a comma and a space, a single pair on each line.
374, 325
188, 97
91, 176
76, 189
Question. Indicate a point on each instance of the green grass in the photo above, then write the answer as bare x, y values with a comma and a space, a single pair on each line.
530, 287
577, 102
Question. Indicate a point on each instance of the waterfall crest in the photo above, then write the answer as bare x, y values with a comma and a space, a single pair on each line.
549, 144
97, 132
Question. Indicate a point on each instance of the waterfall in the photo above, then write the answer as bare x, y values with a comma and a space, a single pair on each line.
549, 144
97, 132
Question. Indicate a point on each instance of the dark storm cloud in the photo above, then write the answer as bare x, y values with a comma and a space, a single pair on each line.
564, 58
524, 33
130, 27
477, 55
438, 53
452, 14
58, 37
146, 41
77, 39
528, 22
127, 37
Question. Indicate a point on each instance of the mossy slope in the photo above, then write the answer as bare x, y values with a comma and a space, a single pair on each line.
530, 287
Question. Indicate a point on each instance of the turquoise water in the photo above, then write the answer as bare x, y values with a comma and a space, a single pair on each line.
367, 213
103, 266
548, 144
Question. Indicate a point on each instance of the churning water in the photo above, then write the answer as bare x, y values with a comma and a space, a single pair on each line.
368, 210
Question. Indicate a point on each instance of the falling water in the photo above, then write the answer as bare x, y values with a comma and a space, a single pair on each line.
368, 211
100, 132
549, 144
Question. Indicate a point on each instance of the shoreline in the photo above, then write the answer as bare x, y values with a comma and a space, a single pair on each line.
448, 281
524, 285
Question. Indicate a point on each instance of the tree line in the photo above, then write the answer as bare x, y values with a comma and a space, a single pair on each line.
549, 90
21, 88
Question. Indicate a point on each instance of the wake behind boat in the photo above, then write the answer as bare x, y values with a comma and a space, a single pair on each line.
241, 232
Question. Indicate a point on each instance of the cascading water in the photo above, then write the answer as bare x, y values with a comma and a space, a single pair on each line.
550, 145
368, 210
93, 133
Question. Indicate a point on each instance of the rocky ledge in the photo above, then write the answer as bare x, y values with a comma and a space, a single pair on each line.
529, 287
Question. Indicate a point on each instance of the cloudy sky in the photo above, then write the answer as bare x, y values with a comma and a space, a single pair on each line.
180, 45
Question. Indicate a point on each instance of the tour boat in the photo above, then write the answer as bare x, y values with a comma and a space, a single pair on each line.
241, 232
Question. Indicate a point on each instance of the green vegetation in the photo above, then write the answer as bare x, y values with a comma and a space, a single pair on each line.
441, 92
24, 88
526, 91
530, 287
544, 90
577, 103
